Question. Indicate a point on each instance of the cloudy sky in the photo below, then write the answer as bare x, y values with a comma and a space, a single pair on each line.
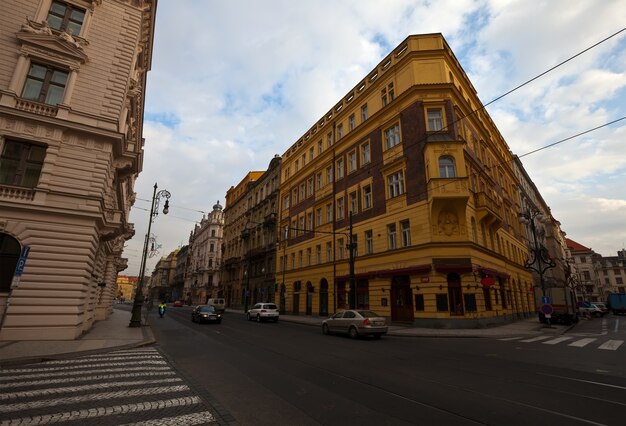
234, 82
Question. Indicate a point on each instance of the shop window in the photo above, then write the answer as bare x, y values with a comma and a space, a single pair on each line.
470, 302
442, 302
419, 302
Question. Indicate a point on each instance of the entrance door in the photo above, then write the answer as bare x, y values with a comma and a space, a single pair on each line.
401, 299
324, 298
309, 298
455, 294
295, 308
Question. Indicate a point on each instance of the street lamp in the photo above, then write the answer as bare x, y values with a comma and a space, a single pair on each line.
246, 236
135, 320
539, 260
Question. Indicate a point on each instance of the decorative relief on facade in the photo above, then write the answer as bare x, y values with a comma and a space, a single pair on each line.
448, 223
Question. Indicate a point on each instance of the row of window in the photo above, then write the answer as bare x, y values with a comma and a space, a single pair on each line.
398, 236
392, 136
395, 184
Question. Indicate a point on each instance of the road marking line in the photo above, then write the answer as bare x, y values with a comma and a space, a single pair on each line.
536, 339
557, 340
101, 359
582, 342
611, 345
103, 411
506, 339
96, 365
5, 408
82, 388
85, 373
188, 419
87, 378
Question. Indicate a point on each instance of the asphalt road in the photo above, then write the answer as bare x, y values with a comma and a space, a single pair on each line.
291, 374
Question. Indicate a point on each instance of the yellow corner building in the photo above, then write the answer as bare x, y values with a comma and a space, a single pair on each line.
411, 162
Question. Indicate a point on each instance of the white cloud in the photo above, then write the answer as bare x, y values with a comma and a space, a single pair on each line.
241, 80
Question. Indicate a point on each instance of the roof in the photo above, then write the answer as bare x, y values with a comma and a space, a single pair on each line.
574, 246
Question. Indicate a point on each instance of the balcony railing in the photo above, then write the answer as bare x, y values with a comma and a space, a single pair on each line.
487, 210
36, 107
16, 192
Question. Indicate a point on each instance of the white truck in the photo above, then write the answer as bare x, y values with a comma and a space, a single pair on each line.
563, 302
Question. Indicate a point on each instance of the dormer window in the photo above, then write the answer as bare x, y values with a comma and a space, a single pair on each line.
66, 17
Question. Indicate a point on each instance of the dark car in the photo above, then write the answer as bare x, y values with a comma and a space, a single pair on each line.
205, 313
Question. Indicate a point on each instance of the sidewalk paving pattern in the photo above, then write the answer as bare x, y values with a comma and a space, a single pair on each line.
135, 386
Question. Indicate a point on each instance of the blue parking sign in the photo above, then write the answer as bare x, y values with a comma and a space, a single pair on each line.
19, 268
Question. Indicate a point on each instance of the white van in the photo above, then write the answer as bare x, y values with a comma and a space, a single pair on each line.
218, 303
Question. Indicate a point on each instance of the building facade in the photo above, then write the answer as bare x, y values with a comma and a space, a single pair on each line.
260, 237
549, 256
236, 226
205, 247
126, 287
72, 86
584, 261
402, 199
611, 273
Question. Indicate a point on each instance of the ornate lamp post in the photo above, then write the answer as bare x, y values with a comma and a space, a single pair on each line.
539, 260
135, 320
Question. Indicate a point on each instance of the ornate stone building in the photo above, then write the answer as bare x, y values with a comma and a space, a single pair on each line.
205, 257
236, 224
72, 85
407, 173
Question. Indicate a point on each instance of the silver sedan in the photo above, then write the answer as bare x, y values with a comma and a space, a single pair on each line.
355, 323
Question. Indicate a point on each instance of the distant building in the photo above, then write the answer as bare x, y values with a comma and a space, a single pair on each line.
126, 287
587, 284
72, 90
236, 226
611, 273
202, 279
182, 264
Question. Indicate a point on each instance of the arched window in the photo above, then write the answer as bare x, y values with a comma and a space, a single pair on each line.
446, 167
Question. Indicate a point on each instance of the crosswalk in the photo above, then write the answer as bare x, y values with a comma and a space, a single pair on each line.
573, 341
135, 386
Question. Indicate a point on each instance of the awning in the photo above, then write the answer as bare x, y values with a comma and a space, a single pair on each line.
493, 273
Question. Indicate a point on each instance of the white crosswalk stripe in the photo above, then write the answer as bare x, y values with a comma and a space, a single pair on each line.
557, 340
535, 339
610, 345
582, 342
89, 389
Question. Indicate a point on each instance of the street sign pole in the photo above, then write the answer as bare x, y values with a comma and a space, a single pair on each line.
17, 275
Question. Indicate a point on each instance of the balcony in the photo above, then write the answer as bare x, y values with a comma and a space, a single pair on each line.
487, 210
36, 107
453, 189
17, 193
269, 220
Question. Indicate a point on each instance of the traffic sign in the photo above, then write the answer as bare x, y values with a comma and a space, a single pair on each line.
546, 300
19, 268
546, 310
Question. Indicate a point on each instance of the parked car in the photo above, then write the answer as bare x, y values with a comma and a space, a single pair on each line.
205, 313
355, 323
590, 309
178, 304
617, 303
602, 307
262, 312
